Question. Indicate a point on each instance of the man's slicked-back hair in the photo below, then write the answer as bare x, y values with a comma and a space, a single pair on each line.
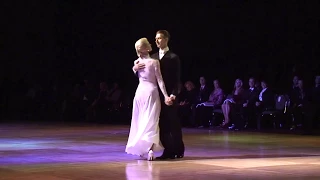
165, 33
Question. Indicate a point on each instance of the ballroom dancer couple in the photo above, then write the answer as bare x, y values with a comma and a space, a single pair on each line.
155, 124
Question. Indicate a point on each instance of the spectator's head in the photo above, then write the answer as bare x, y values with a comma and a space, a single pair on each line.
189, 85
202, 81
216, 84
238, 83
251, 82
295, 81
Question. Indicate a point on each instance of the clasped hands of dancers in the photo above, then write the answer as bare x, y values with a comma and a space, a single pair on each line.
155, 125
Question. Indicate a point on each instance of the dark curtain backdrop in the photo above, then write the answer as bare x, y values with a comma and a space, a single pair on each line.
70, 40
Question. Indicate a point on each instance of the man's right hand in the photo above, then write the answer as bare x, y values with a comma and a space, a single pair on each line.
168, 101
139, 66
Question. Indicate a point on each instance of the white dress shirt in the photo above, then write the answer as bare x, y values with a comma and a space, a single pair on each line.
162, 52
260, 95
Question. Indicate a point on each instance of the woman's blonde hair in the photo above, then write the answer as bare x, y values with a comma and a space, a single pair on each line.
142, 46
142, 43
241, 83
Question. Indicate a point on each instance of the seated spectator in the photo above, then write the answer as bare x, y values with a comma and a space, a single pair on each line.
101, 104
293, 89
233, 103
204, 110
187, 99
251, 96
114, 96
266, 101
204, 91
216, 96
298, 101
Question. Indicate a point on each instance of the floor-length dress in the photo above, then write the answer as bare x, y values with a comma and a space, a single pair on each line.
144, 130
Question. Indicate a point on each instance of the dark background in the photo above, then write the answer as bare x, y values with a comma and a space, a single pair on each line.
65, 41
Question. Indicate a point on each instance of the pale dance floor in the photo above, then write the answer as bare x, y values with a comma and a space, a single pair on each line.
62, 152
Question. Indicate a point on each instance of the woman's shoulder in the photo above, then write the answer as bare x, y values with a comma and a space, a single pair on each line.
219, 90
154, 61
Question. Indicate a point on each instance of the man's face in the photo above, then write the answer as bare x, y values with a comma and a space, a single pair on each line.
295, 80
161, 41
251, 83
202, 81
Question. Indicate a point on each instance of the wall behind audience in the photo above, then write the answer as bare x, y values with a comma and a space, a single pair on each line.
66, 41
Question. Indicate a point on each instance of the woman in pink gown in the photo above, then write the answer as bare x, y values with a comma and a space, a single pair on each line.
144, 131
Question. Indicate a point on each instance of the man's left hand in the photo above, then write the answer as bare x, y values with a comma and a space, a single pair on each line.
168, 102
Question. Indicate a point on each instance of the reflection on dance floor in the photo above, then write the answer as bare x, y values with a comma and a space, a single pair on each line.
142, 170
86, 153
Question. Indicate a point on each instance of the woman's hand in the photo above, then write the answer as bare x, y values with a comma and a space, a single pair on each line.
168, 101
138, 66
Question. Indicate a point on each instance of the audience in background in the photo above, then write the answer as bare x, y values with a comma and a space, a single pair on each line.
82, 101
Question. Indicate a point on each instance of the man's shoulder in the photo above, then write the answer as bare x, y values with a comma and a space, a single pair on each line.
155, 55
256, 90
172, 54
